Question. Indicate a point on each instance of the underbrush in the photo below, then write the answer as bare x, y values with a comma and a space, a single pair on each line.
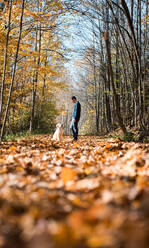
130, 136
16, 136
22, 134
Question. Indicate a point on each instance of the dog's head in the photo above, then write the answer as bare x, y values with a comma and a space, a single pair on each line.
59, 125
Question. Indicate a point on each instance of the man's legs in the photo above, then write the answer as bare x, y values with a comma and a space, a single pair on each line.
74, 129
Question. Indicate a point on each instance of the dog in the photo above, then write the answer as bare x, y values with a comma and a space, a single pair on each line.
57, 136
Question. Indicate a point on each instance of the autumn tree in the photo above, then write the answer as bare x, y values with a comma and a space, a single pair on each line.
31, 61
123, 23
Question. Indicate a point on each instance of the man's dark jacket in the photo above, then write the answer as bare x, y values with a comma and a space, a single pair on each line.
77, 111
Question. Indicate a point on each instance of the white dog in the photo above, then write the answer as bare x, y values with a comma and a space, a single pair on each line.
57, 136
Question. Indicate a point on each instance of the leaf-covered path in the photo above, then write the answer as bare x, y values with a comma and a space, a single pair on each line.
89, 194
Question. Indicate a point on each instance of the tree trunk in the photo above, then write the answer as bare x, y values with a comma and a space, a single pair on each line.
5, 63
35, 81
120, 121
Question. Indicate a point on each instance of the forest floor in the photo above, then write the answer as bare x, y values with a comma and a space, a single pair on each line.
89, 194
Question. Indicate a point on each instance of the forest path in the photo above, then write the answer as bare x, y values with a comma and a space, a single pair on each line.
91, 193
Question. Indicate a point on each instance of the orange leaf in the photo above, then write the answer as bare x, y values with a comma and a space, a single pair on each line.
67, 174
13, 148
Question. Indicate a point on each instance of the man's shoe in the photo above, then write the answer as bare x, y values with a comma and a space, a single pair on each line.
71, 140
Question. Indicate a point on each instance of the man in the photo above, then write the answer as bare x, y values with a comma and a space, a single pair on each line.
75, 117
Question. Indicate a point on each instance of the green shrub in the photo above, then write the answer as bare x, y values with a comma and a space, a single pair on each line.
44, 119
128, 137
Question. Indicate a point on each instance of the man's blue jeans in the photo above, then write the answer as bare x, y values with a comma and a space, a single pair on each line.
74, 129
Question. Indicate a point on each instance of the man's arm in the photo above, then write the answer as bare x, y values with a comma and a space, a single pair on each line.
75, 112
78, 109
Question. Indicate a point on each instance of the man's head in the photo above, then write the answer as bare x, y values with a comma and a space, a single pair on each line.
74, 99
